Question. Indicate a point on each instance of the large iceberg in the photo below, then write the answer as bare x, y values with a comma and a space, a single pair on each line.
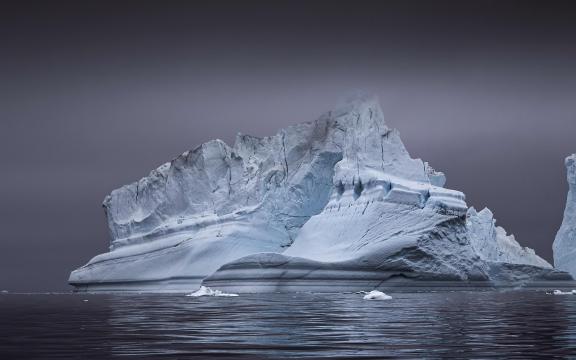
336, 204
565, 243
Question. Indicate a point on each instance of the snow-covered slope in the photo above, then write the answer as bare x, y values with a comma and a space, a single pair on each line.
565, 243
333, 198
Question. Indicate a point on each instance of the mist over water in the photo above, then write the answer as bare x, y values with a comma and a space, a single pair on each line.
511, 325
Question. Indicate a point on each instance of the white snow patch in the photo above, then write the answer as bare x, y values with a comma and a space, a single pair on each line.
377, 295
206, 291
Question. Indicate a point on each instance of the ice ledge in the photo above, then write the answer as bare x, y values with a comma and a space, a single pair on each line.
400, 191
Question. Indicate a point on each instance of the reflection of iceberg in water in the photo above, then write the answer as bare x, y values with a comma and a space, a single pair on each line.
463, 324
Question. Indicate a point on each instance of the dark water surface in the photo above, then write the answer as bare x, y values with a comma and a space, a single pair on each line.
514, 324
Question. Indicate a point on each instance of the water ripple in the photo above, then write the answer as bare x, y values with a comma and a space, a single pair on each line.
512, 325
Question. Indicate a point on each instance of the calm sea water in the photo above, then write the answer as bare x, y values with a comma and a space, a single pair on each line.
513, 324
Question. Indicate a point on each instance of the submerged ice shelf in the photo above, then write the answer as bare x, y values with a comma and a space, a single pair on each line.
336, 204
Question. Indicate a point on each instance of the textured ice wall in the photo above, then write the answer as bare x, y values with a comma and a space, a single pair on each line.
397, 233
565, 243
360, 242
291, 172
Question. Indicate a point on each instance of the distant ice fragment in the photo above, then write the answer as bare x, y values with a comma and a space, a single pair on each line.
206, 291
560, 292
377, 295
4, 291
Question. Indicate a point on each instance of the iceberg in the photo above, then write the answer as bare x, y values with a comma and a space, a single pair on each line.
564, 246
335, 204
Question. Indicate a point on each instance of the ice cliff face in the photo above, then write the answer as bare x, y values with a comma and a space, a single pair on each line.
336, 199
565, 243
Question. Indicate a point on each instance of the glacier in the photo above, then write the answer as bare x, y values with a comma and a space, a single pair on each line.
336, 204
564, 246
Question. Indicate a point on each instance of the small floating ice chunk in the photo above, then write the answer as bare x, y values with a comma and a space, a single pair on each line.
377, 295
560, 292
4, 291
206, 291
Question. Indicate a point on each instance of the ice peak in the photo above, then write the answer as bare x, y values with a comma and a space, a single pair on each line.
363, 106
486, 213
570, 163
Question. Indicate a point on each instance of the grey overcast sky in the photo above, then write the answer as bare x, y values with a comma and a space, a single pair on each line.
95, 94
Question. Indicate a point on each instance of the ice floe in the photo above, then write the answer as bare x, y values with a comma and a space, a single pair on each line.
206, 291
560, 292
377, 295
